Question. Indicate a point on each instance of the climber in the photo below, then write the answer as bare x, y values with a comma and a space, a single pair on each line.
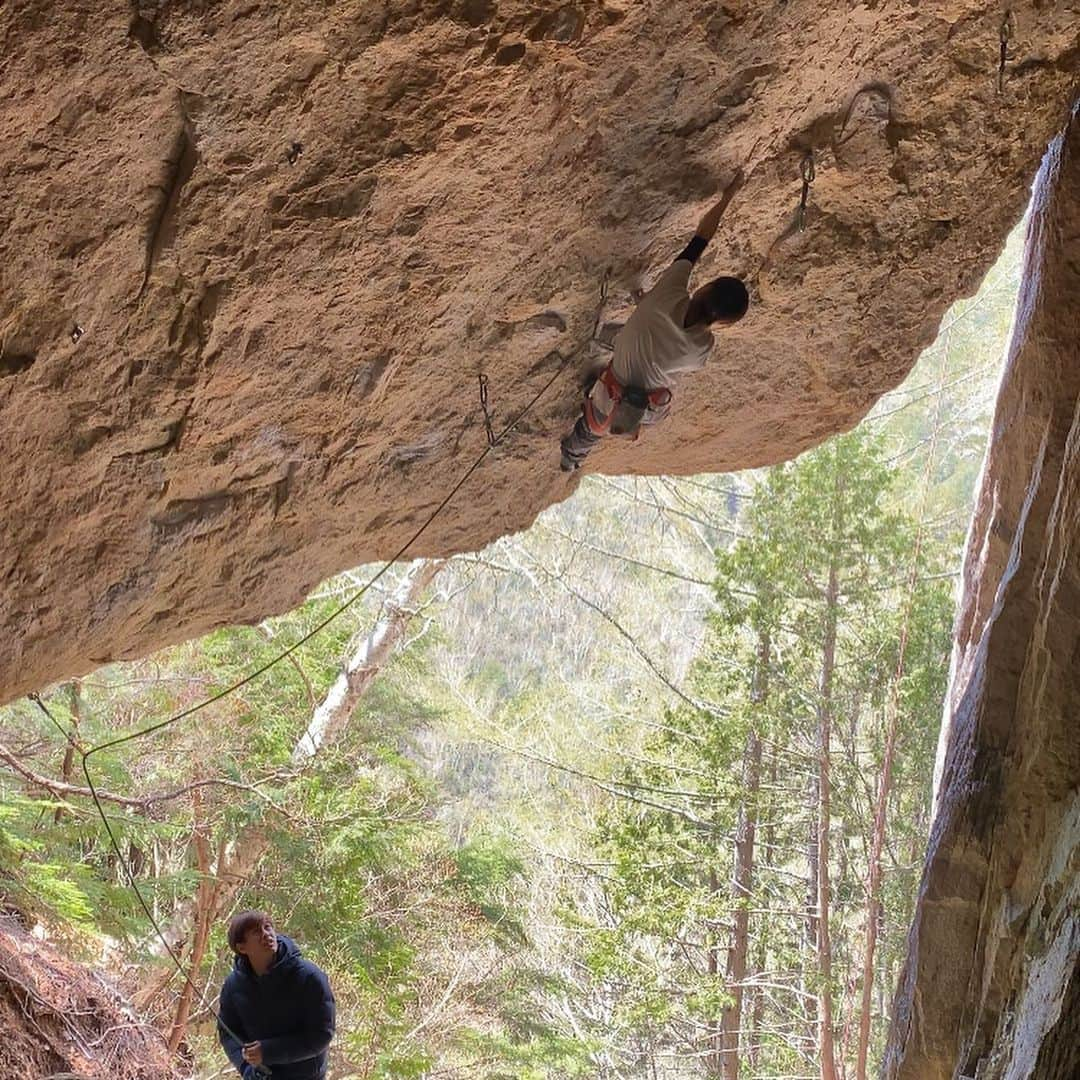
668, 333
279, 1003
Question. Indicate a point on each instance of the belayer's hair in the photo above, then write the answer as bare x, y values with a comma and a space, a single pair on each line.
724, 299
241, 923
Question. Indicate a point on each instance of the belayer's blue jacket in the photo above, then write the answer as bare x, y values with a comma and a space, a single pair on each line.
289, 1010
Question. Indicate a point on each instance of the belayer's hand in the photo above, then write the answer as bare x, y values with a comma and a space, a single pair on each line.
253, 1053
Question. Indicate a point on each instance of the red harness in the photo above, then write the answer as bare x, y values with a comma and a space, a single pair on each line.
632, 395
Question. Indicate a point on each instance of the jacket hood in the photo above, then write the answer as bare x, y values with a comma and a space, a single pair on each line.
288, 953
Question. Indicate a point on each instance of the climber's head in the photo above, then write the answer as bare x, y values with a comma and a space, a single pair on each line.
252, 934
723, 301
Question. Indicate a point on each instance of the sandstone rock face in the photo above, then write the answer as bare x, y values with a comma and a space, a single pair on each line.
254, 257
992, 987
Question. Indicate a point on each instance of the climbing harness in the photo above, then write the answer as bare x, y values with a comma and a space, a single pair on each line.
808, 172
628, 403
150, 729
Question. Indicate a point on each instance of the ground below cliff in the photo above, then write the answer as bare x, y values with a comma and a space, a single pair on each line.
64, 1021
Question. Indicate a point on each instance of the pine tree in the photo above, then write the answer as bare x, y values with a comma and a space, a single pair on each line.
792, 677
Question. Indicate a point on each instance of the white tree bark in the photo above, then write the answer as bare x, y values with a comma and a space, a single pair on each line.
360, 669
242, 856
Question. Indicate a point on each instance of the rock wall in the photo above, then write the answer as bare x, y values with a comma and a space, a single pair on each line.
992, 985
254, 257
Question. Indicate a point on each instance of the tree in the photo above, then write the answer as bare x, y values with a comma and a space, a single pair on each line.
796, 653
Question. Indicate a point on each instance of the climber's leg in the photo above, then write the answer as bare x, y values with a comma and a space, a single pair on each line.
576, 445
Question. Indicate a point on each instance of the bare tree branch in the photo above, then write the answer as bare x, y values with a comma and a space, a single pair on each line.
63, 790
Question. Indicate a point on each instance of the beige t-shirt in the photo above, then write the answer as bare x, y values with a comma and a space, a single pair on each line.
654, 344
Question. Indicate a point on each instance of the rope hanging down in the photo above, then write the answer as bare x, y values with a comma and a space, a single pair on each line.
161, 725
260, 1070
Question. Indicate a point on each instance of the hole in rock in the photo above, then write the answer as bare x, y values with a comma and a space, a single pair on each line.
13, 363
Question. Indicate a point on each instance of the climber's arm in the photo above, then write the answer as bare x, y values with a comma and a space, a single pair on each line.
707, 226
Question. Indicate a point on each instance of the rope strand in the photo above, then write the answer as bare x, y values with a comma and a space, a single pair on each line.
150, 729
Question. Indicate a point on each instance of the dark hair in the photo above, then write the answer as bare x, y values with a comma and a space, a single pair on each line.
724, 299
241, 923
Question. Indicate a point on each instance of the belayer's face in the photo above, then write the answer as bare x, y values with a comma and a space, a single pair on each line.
260, 942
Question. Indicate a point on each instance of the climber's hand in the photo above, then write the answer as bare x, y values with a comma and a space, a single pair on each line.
711, 219
253, 1053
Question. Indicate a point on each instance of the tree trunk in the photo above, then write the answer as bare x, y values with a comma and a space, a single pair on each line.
758, 1014
714, 1060
361, 668
328, 719
827, 1055
220, 885
206, 898
892, 724
743, 877
873, 894
807, 965
67, 766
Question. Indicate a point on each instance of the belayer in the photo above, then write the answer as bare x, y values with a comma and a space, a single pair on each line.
668, 333
277, 1012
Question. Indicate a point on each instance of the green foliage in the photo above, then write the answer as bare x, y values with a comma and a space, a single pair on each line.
31, 882
822, 551
487, 870
525, 1044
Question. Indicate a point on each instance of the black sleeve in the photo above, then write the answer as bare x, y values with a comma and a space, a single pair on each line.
227, 1018
692, 252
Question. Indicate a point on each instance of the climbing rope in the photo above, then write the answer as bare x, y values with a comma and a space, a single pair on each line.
341, 609
129, 874
86, 754
876, 89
